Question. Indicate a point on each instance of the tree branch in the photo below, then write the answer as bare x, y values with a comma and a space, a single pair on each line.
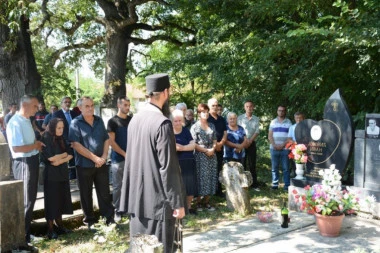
80, 21
131, 7
149, 41
151, 28
86, 45
174, 25
46, 17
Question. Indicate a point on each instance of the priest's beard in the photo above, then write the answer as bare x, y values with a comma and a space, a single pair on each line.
166, 109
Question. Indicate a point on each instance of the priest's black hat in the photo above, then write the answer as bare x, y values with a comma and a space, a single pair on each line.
157, 83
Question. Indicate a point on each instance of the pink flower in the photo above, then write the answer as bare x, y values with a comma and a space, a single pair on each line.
304, 159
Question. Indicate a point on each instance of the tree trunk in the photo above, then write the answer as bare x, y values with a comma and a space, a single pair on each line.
18, 70
116, 70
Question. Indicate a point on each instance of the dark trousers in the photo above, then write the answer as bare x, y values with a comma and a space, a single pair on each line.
219, 160
26, 169
72, 168
162, 229
250, 162
100, 178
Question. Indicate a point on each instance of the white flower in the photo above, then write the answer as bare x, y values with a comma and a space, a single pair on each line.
371, 199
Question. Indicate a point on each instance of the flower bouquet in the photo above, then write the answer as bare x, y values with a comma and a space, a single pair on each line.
298, 152
329, 202
328, 198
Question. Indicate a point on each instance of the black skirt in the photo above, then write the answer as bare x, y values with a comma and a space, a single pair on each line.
189, 176
57, 198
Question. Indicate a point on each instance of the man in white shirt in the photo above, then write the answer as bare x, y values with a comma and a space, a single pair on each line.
251, 125
25, 153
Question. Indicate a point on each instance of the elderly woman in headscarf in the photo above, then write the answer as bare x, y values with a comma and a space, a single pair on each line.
55, 155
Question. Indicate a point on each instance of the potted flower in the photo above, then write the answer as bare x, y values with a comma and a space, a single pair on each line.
299, 155
328, 201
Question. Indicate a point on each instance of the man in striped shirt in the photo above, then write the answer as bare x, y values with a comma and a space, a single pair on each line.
278, 134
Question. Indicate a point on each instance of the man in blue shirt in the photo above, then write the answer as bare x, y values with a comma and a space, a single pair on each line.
53, 109
117, 128
90, 141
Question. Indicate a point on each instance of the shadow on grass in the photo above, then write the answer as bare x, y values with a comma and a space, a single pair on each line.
117, 239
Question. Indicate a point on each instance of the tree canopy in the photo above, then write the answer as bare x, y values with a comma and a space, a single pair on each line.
295, 53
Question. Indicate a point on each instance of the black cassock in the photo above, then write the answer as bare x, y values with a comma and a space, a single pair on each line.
152, 183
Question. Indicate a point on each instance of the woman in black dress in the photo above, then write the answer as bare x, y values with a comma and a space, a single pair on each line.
57, 195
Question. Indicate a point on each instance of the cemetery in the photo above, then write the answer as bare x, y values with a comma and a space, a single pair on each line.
330, 141
275, 66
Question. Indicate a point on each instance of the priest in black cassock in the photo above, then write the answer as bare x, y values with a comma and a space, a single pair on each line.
152, 191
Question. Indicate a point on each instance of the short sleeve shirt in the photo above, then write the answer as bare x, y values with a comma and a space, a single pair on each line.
280, 130
292, 133
39, 118
251, 126
7, 118
220, 126
47, 119
91, 137
20, 133
184, 138
236, 137
119, 126
202, 137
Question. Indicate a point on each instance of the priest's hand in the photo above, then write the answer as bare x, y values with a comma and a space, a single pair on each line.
179, 213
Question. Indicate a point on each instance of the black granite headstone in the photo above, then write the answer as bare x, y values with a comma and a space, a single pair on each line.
330, 140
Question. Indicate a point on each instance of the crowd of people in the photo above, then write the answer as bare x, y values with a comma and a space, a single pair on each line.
164, 163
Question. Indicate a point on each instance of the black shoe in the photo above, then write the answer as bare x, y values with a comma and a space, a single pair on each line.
117, 218
52, 235
63, 230
110, 221
274, 187
91, 227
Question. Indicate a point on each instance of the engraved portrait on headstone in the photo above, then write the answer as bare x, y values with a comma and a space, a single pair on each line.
372, 128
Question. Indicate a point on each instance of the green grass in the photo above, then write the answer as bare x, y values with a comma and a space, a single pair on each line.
116, 239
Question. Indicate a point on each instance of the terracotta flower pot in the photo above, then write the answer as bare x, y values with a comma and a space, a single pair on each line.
329, 225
